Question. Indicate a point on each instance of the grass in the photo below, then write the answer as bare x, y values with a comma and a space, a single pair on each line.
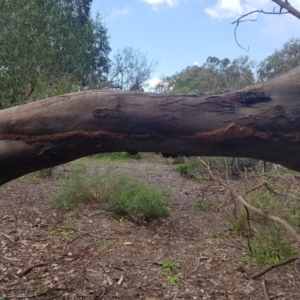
119, 192
67, 231
41, 289
106, 246
116, 156
215, 234
39, 174
240, 226
205, 206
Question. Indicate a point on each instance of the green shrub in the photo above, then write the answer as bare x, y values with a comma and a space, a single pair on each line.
269, 247
240, 226
192, 168
182, 169
121, 193
205, 206
135, 199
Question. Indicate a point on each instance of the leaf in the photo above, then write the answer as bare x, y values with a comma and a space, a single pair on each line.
127, 243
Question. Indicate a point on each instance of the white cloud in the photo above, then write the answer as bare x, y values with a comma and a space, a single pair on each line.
155, 3
232, 8
118, 12
196, 63
151, 83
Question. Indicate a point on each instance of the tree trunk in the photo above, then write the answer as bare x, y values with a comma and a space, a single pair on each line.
261, 121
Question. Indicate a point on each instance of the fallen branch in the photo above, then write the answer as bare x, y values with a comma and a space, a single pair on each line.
274, 266
258, 211
263, 213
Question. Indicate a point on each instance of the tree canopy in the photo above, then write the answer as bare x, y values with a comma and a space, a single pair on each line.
215, 75
280, 61
48, 48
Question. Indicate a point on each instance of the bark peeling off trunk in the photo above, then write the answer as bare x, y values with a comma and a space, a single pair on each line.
261, 121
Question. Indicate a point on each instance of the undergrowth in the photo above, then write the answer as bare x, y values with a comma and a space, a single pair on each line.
119, 192
269, 246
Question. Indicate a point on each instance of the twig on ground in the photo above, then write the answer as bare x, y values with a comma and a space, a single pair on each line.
27, 270
266, 294
8, 237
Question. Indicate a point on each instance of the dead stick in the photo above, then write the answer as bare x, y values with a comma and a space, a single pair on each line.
27, 270
266, 294
271, 267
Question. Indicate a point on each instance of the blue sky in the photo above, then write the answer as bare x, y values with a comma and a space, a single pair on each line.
180, 33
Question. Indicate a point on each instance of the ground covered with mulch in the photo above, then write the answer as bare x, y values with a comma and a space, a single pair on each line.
49, 253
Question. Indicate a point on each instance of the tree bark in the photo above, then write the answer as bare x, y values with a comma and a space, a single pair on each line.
261, 121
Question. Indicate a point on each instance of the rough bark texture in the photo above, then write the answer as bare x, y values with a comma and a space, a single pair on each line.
261, 121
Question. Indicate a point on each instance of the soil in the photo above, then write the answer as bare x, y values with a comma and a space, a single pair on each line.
49, 253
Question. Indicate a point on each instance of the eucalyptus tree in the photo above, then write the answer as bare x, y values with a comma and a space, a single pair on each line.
214, 76
49, 47
280, 61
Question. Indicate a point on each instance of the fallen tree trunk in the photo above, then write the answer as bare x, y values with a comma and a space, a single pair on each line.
261, 121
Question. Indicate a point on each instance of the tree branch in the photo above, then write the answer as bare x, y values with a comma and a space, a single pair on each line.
285, 4
240, 20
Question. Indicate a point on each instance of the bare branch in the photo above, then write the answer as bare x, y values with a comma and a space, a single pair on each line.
240, 20
258, 211
290, 9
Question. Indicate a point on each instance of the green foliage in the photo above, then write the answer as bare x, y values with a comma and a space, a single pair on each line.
135, 199
41, 289
174, 279
77, 189
204, 206
280, 61
215, 234
121, 193
269, 246
105, 246
67, 232
214, 76
48, 48
182, 169
192, 168
39, 174
240, 226
170, 267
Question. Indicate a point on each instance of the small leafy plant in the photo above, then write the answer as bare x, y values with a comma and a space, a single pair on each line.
170, 267
40, 290
105, 246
